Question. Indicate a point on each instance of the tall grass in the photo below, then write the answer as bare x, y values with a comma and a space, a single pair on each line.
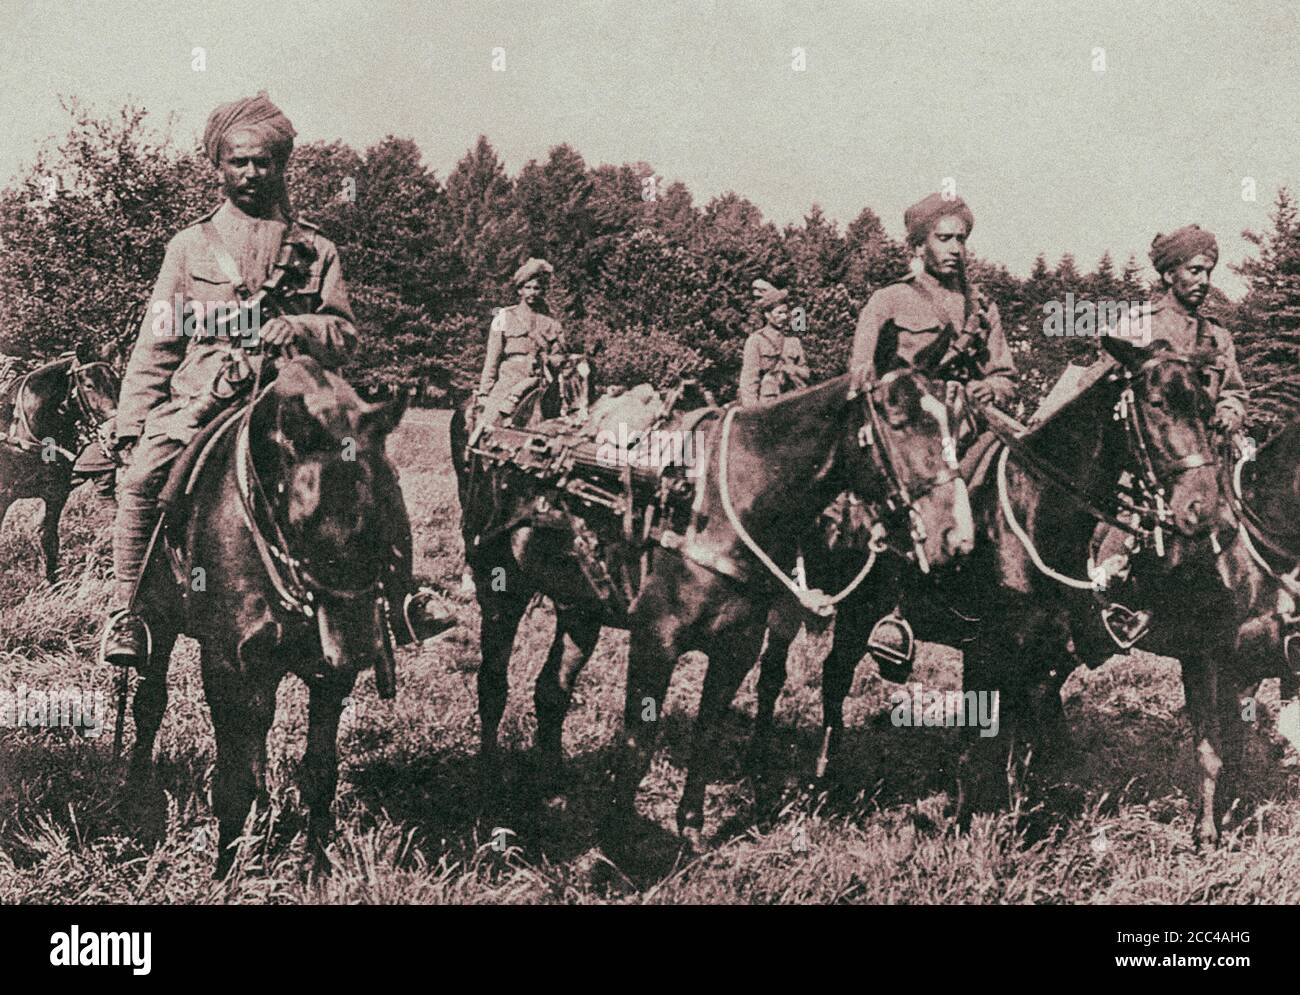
409, 828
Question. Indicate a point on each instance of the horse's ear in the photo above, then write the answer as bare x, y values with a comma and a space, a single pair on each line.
383, 417
1128, 355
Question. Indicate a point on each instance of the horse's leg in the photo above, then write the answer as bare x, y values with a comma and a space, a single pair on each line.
730, 658
782, 628
319, 776
56, 496
1200, 687
501, 612
657, 634
1236, 708
243, 708
150, 705
848, 646
576, 633
982, 766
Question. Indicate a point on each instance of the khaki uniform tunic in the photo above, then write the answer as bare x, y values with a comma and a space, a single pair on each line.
915, 320
773, 364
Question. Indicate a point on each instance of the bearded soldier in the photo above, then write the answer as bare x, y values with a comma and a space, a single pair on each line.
1185, 260
935, 321
178, 371
773, 362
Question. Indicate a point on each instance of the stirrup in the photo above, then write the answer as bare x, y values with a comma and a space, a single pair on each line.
426, 593
110, 623
1291, 651
1125, 626
893, 656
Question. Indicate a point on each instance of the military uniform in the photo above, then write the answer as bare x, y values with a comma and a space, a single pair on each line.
916, 320
1188, 333
519, 340
170, 374
773, 364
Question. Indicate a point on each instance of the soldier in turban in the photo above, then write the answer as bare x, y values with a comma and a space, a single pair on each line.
1185, 259
773, 362
523, 341
934, 319
937, 322
171, 386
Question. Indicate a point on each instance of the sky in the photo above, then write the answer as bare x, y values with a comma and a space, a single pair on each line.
1066, 126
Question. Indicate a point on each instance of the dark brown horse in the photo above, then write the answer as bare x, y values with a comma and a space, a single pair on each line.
1008, 606
779, 468
47, 417
1234, 616
769, 473
283, 523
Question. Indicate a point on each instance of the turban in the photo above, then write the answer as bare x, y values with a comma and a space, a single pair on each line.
256, 115
771, 297
921, 216
761, 287
530, 269
1172, 250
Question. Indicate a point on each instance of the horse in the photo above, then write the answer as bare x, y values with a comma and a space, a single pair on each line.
1240, 609
779, 466
281, 512
50, 415
1037, 501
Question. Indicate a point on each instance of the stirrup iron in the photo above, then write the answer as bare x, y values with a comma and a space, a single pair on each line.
1125, 626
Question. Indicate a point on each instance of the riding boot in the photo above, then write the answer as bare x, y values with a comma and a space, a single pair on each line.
415, 611
893, 646
126, 639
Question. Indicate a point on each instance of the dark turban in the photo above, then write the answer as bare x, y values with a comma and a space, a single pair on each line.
256, 115
921, 216
1172, 250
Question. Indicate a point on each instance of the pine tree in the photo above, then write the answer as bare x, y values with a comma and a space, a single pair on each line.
1268, 341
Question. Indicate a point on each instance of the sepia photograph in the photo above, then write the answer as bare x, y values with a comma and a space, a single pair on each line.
593, 452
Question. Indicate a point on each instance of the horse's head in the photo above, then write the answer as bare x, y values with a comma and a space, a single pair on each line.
1166, 408
326, 477
908, 466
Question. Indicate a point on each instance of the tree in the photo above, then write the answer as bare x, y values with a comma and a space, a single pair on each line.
478, 223
84, 229
1268, 340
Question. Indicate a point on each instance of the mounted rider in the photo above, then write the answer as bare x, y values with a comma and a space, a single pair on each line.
774, 362
179, 378
524, 344
1185, 260
939, 323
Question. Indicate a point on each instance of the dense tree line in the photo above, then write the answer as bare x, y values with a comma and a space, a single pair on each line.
651, 284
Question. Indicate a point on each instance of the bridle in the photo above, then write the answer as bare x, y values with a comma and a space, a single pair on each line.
899, 499
1144, 498
87, 426
296, 581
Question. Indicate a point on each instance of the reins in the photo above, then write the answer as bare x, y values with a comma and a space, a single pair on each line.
815, 600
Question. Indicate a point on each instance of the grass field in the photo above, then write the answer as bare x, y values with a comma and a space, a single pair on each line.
408, 803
